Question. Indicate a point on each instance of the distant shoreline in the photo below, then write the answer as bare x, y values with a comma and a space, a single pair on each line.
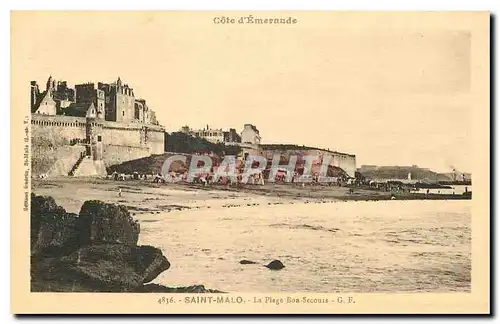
138, 194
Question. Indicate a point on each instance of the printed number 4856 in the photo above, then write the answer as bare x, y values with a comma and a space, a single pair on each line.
166, 300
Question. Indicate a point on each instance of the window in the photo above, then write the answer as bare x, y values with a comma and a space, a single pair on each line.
123, 113
99, 138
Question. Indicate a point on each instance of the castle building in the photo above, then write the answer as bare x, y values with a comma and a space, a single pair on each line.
120, 101
45, 104
141, 110
81, 131
89, 102
143, 114
63, 95
113, 102
83, 109
57, 95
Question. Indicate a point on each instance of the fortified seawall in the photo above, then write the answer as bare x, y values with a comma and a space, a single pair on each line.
345, 161
59, 142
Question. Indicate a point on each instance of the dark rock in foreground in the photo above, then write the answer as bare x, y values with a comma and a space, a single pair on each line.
275, 265
247, 262
151, 262
95, 251
107, 223
52, 229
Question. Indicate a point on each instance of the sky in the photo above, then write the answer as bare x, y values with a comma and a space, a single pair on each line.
391, 90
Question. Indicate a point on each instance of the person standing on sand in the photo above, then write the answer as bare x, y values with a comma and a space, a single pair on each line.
119, 192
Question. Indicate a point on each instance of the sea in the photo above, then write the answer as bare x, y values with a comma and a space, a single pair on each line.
458, 190
353, 246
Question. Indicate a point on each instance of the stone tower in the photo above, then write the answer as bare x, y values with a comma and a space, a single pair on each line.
100, 101
94, 137
51, 85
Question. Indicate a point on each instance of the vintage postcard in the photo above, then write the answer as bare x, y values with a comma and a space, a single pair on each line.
261, 162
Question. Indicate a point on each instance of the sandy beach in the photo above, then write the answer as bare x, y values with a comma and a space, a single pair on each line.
146, 197
327, 242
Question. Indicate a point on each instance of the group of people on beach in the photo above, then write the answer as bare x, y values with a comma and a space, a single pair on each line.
211, 178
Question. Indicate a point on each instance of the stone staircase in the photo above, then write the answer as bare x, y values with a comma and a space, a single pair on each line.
63, 160
75, 167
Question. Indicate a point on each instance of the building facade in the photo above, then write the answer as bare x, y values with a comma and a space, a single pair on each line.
250, 135
232, 136
209, 134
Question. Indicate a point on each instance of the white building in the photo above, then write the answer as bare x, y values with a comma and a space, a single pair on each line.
211, 135
250, 135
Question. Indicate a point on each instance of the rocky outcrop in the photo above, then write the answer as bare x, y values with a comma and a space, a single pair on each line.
95, 251
151, 262
52, 228
102, 223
